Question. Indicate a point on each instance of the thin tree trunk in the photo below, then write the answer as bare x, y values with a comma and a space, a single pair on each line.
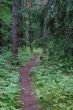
22, 24
29, 5
15, 28
43, 21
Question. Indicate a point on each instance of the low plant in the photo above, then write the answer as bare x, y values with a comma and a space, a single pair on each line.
54, 85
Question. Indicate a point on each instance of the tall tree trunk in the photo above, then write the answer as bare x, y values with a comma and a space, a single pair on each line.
29, 5
22, 24
15, 28
43, 34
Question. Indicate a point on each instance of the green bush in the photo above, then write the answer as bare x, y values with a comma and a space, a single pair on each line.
54, 85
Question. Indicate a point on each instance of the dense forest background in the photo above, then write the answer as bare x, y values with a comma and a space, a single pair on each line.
37, 26
46, 24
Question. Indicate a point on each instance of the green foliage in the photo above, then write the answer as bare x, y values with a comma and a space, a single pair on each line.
9, 89
58, 24
59, 27
9, 85
5, 14
54, 85
24, 55
9, 78
5, 20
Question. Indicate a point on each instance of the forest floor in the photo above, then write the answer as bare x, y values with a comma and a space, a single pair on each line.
48, 86
28, 98
9, 78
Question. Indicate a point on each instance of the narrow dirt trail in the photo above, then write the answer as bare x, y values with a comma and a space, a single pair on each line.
28, 99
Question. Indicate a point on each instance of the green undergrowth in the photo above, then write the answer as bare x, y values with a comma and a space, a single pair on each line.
9, 86
54, 85
37, 51
24, 55
9, 79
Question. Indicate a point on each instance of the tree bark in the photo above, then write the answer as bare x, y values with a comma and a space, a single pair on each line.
22, 24
15, 28
29, 5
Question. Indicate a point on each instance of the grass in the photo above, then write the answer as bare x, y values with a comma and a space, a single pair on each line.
37, 51
9, 79
54, 85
